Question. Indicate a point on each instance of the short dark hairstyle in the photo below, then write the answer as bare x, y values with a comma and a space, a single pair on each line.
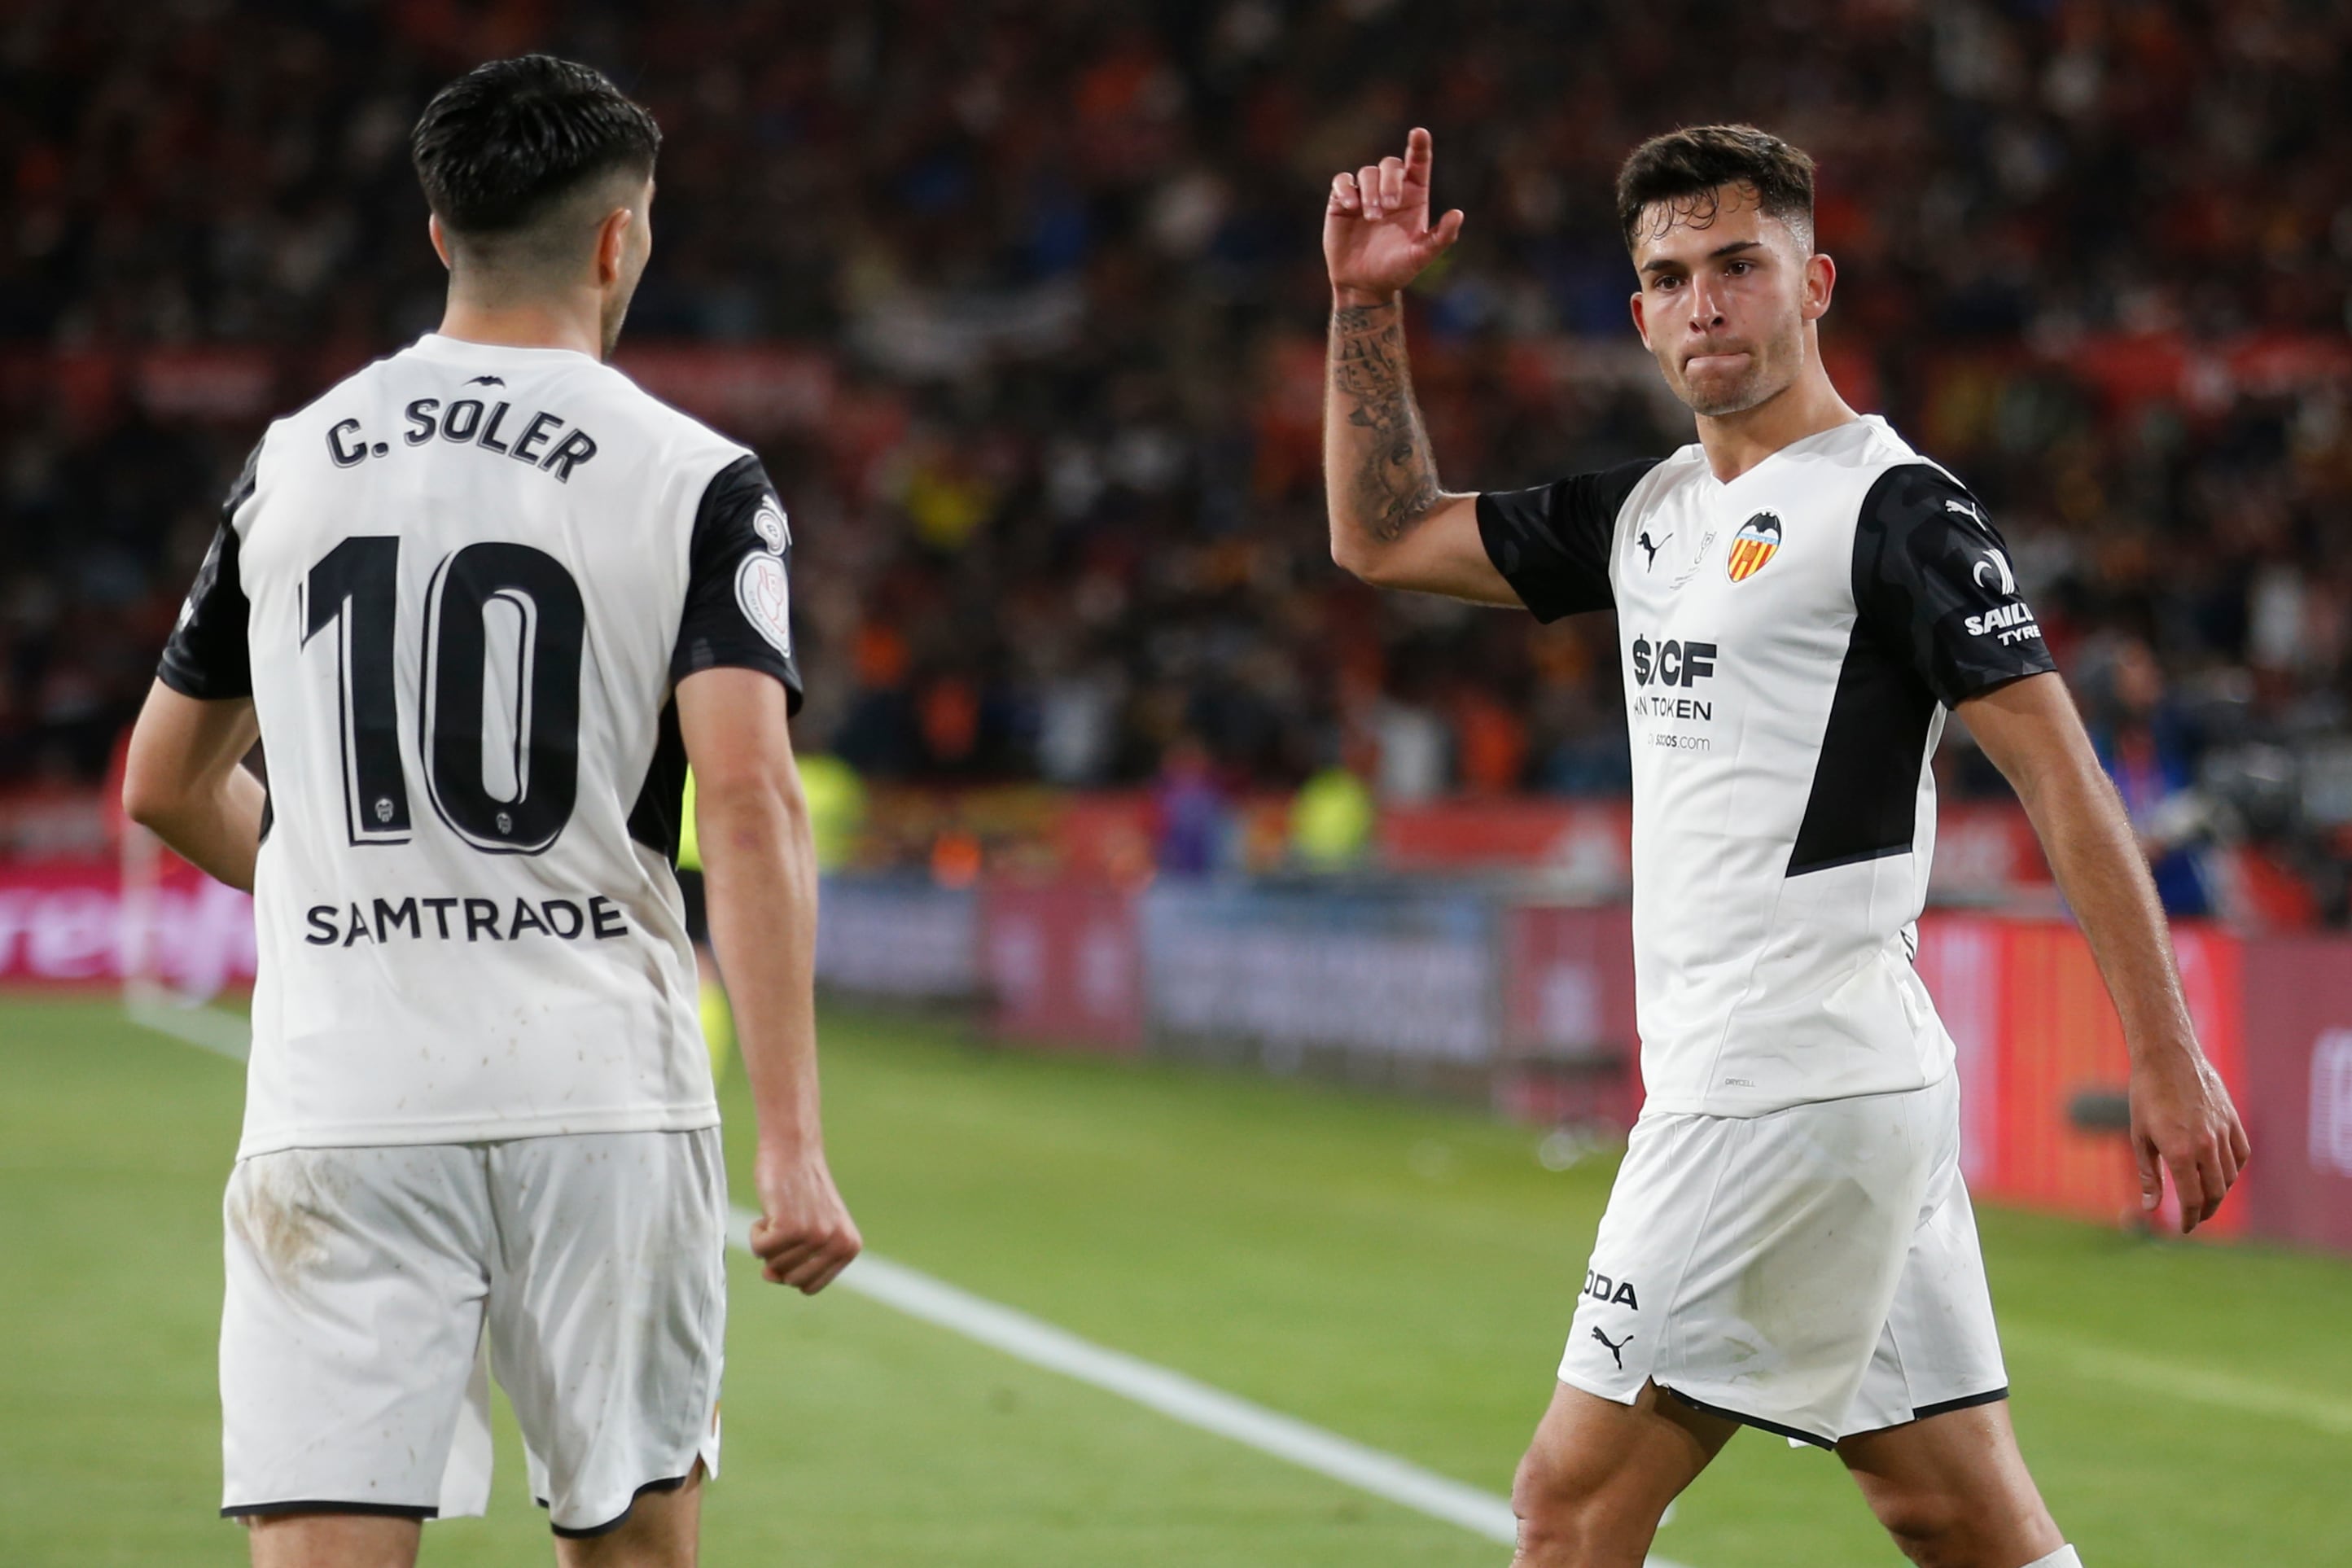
506, 142
1684, 168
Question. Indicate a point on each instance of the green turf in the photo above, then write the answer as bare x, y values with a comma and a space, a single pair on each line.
1399, 1273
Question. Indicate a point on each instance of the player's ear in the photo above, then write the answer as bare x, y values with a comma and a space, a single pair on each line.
1821, 282
611, 246
440, 239
1641, 321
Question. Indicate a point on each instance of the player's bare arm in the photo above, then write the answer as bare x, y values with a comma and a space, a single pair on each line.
1391, 523
186, 783
2181, 1114
760, 872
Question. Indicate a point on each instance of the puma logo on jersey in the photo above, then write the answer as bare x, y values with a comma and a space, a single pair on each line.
1968, 509
1652, 549
1616, 1347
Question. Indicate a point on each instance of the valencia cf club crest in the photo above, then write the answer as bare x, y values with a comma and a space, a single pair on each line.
1757, 541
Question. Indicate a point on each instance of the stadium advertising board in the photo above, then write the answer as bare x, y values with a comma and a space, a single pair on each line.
1568, 988
898, 936
2059, 1043
1062, 964
1960, 961
2299, 1047
1568, 1039
1539, 995
1985, 852
1583, 845
64, 922
1403, 974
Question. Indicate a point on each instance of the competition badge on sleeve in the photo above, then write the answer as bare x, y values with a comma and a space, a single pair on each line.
1757, 541
765, 595
769, 523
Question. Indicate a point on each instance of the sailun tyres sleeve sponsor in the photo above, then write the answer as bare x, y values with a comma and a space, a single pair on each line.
738, 589
1552, 543
1934, 585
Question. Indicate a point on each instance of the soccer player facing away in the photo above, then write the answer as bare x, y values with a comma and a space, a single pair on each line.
481, 603
1800, 597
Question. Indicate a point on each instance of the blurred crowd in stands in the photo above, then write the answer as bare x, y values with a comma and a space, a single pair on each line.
1061, 516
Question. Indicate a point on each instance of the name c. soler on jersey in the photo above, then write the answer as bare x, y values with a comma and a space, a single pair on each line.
471, 420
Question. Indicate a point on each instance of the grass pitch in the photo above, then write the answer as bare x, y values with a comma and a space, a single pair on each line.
1398, 1273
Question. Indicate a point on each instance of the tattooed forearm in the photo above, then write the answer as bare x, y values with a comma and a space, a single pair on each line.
1380, 469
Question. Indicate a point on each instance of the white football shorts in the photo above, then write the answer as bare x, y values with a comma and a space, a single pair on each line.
371, 1290
1813, 1272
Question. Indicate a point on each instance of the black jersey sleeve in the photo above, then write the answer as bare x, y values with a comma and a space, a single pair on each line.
738, 582
1552, 542
1934, 585
206, 655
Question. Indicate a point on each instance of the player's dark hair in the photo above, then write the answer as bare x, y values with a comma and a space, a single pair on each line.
1683, 169
503, 144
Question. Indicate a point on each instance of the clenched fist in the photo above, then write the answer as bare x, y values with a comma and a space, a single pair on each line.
803, 1236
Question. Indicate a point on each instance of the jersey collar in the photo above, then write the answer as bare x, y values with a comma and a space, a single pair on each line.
465, 351
1848, 430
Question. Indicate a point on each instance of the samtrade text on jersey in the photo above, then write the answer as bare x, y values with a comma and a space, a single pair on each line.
423, 920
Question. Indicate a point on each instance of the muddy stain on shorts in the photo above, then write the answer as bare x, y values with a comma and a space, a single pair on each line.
282, 1207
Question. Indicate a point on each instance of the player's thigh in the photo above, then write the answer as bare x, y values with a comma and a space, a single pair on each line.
1747, 1262
607, 1317
1599, 1474
354, 1280
1954, 1489
662, 1531
333, 1540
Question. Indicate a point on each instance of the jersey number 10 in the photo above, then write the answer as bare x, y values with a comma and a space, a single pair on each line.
355, 589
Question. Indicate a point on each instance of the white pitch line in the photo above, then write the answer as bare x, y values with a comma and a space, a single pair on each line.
1176, 1397
206, 1029
2195, 1385
1040, 1343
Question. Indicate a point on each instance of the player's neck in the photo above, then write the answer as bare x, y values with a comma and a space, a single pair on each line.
1735, 443
523, 325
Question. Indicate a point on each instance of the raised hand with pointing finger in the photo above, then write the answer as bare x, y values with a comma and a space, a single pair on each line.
1377, 236
1391, 522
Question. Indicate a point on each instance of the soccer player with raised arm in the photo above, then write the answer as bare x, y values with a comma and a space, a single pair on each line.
1801, 598
480, 603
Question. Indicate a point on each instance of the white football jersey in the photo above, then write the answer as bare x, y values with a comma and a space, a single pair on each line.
460, 589
1790, 641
